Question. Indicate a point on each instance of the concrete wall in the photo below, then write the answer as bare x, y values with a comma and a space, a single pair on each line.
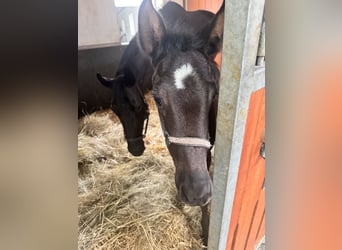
92, 95
97, 23
128, 21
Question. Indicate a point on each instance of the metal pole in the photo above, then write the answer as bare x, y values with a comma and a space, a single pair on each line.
241, 37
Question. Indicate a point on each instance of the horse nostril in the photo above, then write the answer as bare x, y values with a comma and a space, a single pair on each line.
209, 195
180, 195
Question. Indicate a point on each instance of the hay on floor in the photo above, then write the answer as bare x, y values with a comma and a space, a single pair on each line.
128, 202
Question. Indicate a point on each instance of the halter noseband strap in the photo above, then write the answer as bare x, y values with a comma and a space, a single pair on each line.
188, 141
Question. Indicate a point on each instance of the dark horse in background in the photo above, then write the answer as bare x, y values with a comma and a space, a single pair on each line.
173, 54
131, 82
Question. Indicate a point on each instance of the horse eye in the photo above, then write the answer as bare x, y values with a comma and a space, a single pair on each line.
158, 101
155, 78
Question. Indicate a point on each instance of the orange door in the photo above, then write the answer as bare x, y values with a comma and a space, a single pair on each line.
211, 5
247, 225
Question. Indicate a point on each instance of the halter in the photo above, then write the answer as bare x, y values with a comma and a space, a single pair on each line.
147, 119
188, 141
184, 141
145, 131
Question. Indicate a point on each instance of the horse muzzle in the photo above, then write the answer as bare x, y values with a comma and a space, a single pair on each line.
136, 148
195, 195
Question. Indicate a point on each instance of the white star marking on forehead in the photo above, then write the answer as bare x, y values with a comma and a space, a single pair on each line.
181, 73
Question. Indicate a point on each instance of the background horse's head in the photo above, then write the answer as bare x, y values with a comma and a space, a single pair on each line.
185, 89
130, 106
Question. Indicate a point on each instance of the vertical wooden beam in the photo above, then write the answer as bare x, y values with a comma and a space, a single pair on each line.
241, 38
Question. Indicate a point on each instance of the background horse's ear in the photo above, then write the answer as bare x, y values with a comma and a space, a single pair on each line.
151, 31
109, 82
213, 33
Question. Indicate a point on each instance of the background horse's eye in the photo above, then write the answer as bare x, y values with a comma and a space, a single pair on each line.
157, 100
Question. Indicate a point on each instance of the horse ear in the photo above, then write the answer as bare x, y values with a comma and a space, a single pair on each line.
109, 82
213, 33
151, 31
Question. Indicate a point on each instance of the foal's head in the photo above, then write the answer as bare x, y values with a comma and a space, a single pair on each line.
184, 87
129, 105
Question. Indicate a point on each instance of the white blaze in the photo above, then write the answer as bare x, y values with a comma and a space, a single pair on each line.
181, 73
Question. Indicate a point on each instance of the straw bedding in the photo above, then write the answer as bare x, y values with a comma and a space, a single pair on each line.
128, 202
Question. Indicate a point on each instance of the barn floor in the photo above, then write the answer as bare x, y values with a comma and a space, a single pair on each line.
127, 202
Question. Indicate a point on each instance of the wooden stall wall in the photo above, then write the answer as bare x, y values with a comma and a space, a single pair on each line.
212, 5
247, 225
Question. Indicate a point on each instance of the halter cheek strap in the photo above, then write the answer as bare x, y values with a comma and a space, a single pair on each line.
146, 119
144, 132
